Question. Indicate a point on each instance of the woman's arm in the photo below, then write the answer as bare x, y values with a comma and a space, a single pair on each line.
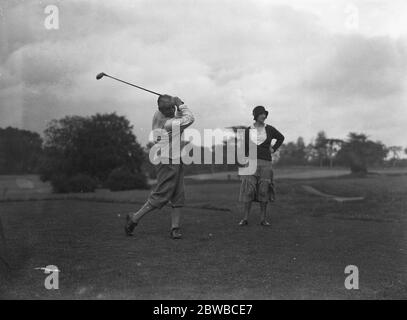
275, 134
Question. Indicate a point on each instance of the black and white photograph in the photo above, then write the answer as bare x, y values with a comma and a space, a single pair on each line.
211, 152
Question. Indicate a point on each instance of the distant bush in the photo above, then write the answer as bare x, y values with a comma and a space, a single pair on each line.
123, 179
59, 183
82, 183
76, 183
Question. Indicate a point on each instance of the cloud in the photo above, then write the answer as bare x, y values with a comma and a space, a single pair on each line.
221, 57
365, 68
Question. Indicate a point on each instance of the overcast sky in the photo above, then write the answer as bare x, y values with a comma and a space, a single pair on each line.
337, 66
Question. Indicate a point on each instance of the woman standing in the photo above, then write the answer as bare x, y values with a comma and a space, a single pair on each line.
259, 187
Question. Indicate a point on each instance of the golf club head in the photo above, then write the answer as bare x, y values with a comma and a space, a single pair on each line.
100, 76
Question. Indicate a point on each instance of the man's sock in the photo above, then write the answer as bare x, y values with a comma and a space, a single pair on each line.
175, 218
146, 208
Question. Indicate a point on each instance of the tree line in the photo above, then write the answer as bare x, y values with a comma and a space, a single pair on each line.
78, 154
357, 152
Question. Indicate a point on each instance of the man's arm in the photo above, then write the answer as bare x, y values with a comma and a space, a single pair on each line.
183, 119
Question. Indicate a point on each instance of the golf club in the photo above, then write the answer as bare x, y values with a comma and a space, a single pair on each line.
102, 74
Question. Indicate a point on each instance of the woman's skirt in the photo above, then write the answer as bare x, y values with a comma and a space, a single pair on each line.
258, 187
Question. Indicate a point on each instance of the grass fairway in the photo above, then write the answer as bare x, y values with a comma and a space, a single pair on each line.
303, 255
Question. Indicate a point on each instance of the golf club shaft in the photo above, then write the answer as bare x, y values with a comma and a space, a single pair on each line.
130, 84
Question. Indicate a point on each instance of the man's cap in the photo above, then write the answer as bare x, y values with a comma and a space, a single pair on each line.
165, 102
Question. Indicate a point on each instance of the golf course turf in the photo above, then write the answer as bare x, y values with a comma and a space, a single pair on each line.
303, 255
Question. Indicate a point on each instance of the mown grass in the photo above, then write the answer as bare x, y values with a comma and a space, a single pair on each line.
303, 255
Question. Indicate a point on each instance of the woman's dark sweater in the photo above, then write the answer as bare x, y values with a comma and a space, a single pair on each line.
263, 149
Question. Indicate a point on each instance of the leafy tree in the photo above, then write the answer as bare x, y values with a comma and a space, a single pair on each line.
106, 143
293, 153
92, 146
334, 145
61, 154
300, 152
321, 147
311, 154
395, 151
358, 153
20, 150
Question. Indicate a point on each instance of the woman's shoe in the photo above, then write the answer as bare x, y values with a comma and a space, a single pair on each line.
265, 223
175, 233
243, 222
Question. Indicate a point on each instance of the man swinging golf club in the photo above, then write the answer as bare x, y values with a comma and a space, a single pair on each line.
172, 117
